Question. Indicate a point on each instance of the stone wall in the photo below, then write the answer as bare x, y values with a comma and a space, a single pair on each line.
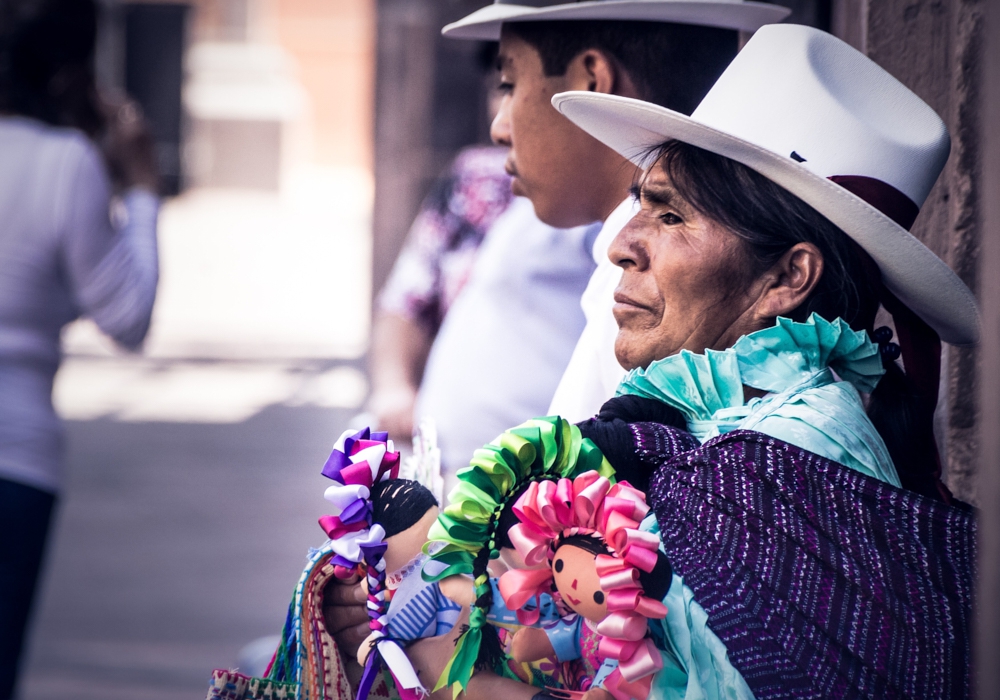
933, 47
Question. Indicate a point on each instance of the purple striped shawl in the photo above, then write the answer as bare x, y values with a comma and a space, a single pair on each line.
821, 582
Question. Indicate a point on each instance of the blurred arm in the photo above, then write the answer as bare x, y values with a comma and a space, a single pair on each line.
113, 274
400, 346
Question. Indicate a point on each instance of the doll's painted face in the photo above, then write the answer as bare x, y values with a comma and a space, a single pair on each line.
402, 547
575, 575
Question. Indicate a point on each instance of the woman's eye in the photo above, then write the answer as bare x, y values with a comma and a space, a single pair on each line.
558, 566
671, 219
599, 597
505, 87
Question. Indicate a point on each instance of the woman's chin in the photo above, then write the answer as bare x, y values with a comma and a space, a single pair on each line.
630, 355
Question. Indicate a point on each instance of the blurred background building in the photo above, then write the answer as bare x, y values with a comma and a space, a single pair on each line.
297, 139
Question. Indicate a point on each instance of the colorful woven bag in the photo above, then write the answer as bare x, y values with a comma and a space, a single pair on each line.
307, 664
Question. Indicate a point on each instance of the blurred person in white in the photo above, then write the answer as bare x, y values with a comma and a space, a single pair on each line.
60, 258
481, 311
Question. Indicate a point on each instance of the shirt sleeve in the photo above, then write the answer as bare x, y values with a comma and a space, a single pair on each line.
416, 619
113, 273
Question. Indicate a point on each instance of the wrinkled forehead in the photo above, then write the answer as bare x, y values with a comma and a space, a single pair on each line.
655, 185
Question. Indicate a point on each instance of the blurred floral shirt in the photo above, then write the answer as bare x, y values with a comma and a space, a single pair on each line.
441, 247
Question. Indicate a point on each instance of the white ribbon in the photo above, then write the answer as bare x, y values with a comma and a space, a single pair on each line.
342, 496
349, 545
400, 666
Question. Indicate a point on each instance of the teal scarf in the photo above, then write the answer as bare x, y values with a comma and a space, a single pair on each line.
813, 373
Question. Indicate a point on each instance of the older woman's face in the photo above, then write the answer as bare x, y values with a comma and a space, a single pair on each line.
683, 284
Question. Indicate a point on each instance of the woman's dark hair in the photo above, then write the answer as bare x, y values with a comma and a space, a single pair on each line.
672, 65
46, 62
769, 220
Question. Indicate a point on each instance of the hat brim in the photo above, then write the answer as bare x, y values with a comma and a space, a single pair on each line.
485, 24
909, 269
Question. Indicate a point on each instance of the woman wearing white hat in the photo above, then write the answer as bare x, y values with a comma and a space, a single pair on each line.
816, 553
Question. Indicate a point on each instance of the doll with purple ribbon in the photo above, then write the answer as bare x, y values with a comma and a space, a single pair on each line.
378, 528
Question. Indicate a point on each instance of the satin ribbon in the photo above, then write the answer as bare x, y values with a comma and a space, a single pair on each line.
335, 528
350, 545
344, 496
519, 586
358, 461
541, 448
386, 649
621, 689
530, 543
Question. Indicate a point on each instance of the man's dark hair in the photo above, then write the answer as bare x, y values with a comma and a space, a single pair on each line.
673, 65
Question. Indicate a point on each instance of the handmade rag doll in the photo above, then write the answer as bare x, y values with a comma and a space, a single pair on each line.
607, 571
378, 528
466, 536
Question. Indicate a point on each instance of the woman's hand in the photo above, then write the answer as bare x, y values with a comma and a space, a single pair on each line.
128, 147
345, 614
458, 589
530, 644
430, 656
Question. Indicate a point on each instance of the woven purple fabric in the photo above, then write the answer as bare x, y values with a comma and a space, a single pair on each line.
821, 582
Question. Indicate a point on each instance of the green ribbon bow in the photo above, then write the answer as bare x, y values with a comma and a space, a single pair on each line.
541, 448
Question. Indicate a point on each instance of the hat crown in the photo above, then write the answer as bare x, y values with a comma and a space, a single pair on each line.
801, 93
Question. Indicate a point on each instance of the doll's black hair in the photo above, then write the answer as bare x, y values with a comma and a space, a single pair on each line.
655, 583
399, 504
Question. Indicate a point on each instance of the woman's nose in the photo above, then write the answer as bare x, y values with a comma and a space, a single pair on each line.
628, 249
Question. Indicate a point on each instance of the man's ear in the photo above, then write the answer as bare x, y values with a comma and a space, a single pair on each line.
790, 281
594, 70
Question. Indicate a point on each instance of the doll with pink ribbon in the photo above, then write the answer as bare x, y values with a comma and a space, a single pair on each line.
584, 535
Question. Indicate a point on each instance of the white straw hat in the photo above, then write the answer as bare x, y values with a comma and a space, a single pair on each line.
820, 119
484, 24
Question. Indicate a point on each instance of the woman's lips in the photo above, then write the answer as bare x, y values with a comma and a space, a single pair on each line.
628, 302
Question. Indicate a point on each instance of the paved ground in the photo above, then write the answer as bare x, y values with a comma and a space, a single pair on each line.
176, 545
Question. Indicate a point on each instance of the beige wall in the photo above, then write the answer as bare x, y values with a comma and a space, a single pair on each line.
333, 42
333, 45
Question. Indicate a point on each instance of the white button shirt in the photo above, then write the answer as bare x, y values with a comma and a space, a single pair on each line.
593, 373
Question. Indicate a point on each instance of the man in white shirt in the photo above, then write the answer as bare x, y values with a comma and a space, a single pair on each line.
632, 49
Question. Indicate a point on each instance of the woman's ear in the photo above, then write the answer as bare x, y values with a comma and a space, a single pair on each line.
790, 281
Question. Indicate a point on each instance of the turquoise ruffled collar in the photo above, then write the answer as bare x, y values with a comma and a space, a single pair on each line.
774, 360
